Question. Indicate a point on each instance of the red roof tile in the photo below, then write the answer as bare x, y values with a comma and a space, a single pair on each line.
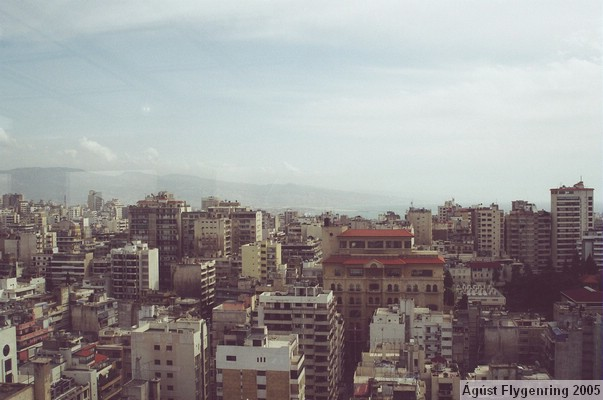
483, 264
376, 233
583, 295
361, 390
361, 260
99, 358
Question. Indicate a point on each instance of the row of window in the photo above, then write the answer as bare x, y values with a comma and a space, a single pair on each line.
390, 288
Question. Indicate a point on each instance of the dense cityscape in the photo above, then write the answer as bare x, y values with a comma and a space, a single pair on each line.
166, 299
301, 200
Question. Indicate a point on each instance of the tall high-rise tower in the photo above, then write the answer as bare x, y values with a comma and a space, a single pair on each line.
572, 216
157, 220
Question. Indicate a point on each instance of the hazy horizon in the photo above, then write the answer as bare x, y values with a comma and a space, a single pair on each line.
424, 100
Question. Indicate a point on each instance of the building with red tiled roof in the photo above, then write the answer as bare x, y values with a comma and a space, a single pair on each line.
368, 269
584, 296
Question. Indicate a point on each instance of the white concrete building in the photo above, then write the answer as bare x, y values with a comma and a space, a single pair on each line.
310, 312
572, 216
134, 269
8, 354
177, 352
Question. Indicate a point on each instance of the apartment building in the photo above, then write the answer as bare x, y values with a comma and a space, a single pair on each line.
310, 312
246, 228
528, 235
157, 220
134, 270
421, 221
488, 231
177, 353
572, 216
368, 269
261, 260
260, 366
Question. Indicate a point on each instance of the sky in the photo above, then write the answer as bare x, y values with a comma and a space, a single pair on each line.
487, 101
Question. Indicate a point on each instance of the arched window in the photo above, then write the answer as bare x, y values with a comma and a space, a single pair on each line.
370, 300
332, 286
396, 288
339, 287
351, 287
389, 287
339, 300
389, 300
435, 288
415, 288
396, 301
351, 300
408, 288
357, 287
428, 288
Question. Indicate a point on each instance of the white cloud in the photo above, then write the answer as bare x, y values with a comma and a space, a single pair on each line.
5, 139
70, 152
291, 167
97, 149
151, 154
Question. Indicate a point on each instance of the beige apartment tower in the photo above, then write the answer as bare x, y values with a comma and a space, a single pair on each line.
572, 216
310, 312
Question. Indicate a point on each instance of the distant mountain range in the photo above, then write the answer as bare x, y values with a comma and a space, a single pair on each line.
72, 185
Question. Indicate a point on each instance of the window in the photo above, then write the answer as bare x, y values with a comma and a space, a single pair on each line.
168, 347
396, 288
170, 387
415, 288
389, 288
156, 347
169, 362
428, 288
231, 358
435, 288
157, 362
157, 374
170, 374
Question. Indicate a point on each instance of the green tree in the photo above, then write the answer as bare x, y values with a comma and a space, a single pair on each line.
463, 303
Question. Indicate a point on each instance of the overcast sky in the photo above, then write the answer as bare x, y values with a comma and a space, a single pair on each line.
484, 101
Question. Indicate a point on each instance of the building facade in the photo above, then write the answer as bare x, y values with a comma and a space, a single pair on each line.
572, 216
373, 268
177, 352
134, 270
310, 312
157, 220
260, 366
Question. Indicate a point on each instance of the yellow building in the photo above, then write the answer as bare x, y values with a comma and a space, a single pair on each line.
373, 268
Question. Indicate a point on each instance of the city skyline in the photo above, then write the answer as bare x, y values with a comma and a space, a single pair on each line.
422, 100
